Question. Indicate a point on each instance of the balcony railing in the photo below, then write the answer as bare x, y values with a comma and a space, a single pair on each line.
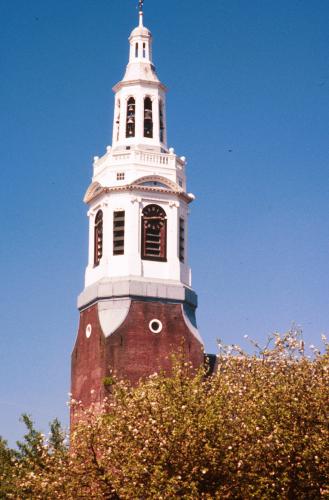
148, 158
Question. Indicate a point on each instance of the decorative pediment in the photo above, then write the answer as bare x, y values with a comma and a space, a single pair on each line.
157, 181
94, 190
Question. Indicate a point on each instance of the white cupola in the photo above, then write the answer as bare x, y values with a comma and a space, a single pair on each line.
139, 117
138, 202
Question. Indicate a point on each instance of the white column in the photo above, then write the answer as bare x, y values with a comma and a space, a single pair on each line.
123, 118
172, 241
139, 125
132, 244
91, 239
117, 115
107, 234
163, 97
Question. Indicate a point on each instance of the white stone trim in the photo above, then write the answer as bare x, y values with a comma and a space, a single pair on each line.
136, 287
88, 331
112, 313
158, 322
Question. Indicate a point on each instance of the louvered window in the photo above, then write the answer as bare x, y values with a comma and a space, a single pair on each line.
154, 233
98, 238
118, 233
181, 239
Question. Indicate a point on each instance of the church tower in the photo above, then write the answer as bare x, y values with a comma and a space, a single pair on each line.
137, 306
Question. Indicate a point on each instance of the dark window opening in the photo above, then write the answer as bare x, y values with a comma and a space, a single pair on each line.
130, 125
155, 326
144, 50
98, 238
118, 233
181, 240
154, 183
161, 121
136, 50
148, 118
154, 233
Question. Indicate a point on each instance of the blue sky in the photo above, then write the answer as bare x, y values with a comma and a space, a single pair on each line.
248, 105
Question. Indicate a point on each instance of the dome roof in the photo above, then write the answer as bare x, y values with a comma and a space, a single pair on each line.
140, 71
140, 31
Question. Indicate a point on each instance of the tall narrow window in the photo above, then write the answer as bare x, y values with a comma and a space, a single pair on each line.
161, 119
181, 239
154, 233
130, 125
98, 237
144, 50
136, 50
119, 232
148, 118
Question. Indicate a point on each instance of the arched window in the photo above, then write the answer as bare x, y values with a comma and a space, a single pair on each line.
98, 237
154, 233
161, 120
130, 125
148, 118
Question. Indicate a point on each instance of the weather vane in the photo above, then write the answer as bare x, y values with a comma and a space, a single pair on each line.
140, 5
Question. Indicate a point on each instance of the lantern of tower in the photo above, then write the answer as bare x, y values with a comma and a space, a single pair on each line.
137, 306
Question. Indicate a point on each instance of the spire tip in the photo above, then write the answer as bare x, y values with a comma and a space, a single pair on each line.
140, 9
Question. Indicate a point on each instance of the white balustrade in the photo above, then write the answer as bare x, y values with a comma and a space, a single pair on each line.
146, 158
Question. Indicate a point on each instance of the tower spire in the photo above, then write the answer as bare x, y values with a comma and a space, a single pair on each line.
140, 9
138, 305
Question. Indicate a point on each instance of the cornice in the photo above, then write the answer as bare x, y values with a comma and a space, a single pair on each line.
93, 194
129, 83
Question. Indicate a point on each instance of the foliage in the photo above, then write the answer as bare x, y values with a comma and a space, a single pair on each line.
258, 428
25, 471
108, 381
31, 449
6, 468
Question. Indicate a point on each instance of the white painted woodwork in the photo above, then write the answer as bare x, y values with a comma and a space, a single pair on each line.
145, 157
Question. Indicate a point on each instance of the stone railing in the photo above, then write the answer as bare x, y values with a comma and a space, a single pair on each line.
139, 157
147, 158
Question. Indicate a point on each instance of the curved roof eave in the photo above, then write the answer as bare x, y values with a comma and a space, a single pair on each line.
134, 187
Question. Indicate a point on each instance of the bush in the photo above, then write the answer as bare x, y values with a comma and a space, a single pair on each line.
258, 428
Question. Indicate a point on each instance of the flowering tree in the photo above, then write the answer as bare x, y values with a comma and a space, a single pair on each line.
258, 428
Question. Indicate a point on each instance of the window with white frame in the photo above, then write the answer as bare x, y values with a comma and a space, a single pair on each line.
154, 233
118, 232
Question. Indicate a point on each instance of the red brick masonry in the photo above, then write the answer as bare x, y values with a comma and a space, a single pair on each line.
132, 351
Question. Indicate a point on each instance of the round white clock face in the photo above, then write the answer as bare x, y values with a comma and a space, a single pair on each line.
155, 326
88, 330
